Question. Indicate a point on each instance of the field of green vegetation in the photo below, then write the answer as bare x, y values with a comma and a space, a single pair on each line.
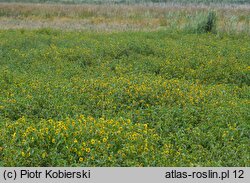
123, 99
124, 85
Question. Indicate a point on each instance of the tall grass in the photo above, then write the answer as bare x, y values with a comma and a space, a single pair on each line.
174, 17
204, 23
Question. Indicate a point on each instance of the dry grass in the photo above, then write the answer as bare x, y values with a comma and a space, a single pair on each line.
119, 17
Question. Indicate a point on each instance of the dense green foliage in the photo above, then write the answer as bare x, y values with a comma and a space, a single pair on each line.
123, 99
208, 25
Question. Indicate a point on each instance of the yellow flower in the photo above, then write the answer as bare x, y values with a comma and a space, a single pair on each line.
102, 132
14, 135
92, 141
44, 155
23, 154
53, 140
75, 141
81, 116
87, 150
166, 152
104, 139
81, 159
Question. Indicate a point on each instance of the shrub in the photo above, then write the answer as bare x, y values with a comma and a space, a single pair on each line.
208, 24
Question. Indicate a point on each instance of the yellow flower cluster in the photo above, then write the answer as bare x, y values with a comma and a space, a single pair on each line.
88, 139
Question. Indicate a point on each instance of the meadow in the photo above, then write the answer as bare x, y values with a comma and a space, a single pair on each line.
231, 19
150, 97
